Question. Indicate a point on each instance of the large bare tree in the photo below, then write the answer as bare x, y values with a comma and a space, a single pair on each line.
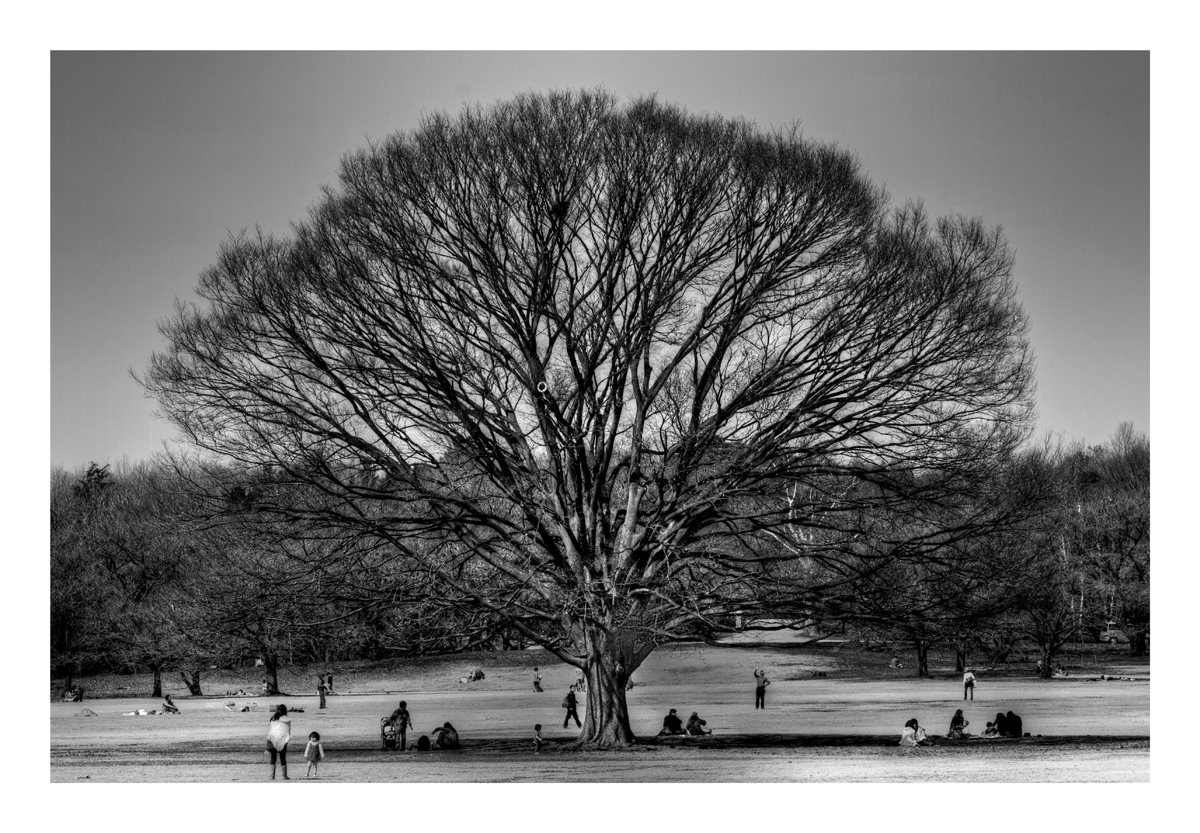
605, 373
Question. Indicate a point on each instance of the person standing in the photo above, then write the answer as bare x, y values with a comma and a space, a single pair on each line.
760, 689
402, 720
570, 704
969, 684
321, 690
537, 679
278, 736
538, 740
314, 753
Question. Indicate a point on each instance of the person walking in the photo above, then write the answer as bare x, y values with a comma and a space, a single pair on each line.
278, 736
570, 704
537, 679
969, 684
760, 688
402, 720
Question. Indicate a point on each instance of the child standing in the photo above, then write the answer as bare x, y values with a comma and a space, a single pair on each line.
537, 738
314, 753
537, 679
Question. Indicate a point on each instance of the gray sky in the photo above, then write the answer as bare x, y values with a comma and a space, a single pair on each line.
157, 157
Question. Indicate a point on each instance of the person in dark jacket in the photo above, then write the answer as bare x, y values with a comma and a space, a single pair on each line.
695, 726
958, 726
571, 705
1012, 725
1001, 725
672, 725
403, 722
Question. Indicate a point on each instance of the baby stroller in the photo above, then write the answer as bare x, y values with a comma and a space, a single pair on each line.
387, 733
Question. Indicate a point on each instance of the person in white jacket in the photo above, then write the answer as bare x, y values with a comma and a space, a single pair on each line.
278, 736
969, 684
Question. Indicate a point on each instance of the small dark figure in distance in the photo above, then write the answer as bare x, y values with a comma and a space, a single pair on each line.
403, 722
1012, 727
672, 725
537, 679
447, 736
322, 690
969, 684
571, 705
760, 689
958, 726
695, 726
1001, 725
538, 741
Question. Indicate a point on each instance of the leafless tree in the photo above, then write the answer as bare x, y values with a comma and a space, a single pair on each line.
576, 361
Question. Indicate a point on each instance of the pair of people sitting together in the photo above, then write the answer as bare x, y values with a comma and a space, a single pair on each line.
672, 725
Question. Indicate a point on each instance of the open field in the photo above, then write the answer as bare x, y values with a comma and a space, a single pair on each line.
842, 727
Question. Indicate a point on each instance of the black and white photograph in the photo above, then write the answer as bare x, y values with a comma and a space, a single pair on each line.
594, 416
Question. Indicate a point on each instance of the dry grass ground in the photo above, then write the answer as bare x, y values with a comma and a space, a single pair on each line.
842, 727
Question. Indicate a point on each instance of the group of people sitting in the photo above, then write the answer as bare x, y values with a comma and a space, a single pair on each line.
672, 725
1004, 726
74, 694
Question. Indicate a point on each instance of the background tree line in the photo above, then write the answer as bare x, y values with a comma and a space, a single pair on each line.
149, 574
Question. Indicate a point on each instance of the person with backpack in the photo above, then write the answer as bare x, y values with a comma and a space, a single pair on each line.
570, 704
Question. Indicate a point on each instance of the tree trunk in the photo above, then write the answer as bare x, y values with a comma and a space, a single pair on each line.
272, 665
960, 659
193, 685
1047, 669
922, 659
606, 722
157, 669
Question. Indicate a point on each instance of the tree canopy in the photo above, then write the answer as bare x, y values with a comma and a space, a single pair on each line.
609, 374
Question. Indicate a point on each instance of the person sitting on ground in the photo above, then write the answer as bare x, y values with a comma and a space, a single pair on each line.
695, 726
895, 663
913, 734
990, 731
672, 725
169, 706
958, 726
1059, 671
1001, 725
447, 736
1012, 725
